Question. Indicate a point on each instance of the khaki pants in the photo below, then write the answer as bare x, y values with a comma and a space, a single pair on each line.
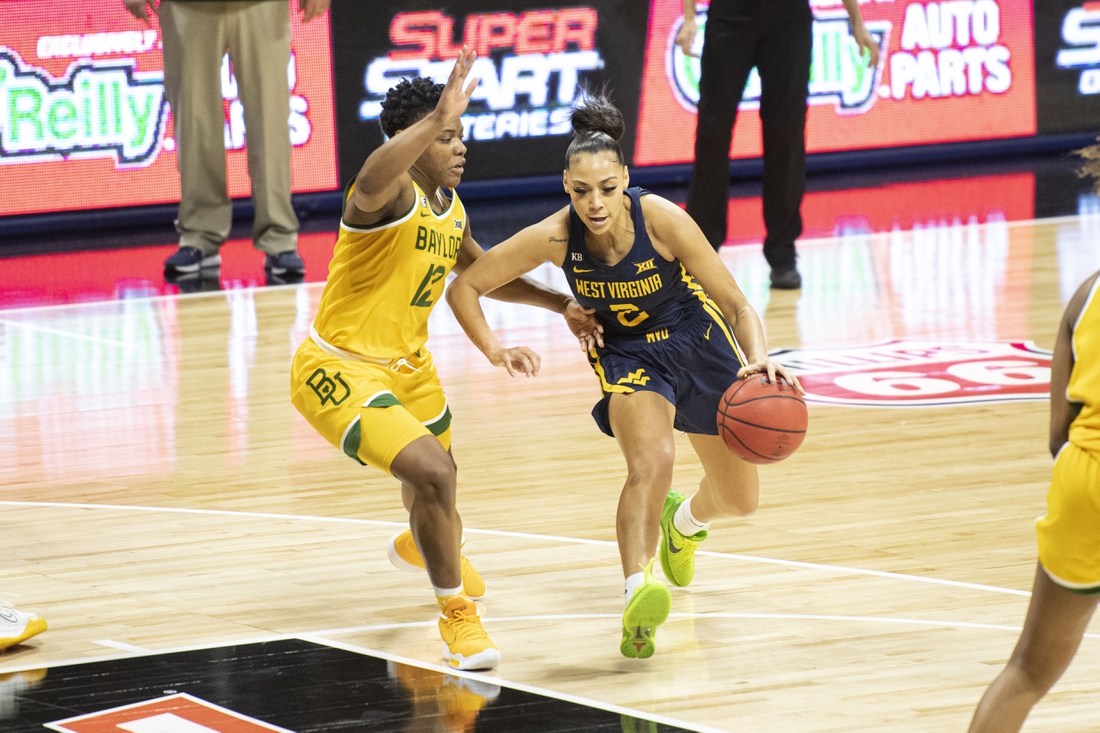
257, 35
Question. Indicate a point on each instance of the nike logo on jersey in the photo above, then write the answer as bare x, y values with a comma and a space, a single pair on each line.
707, 334
579, 270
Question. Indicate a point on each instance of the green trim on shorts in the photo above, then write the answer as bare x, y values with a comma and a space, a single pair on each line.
385, 399
1085, 591
439, 426
351, 442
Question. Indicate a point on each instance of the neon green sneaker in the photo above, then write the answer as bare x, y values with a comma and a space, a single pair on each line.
648, 608
677, 550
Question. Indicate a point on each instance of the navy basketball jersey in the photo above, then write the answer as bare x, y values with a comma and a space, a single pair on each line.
644, 294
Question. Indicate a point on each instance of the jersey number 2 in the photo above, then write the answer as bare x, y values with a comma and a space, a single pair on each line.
423, 297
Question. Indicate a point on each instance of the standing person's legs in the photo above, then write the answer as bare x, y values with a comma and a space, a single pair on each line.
642, 424
786, 51
194, 44
1056, 621
259, 46
728, 57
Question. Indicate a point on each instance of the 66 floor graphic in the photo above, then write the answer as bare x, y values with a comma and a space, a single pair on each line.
924, 373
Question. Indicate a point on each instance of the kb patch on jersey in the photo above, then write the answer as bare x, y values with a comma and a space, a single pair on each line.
923, 373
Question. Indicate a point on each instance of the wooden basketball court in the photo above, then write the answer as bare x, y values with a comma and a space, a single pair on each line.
161, 493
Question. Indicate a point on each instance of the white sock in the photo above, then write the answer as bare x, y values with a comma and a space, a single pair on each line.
631, 583
447, 592
686, 523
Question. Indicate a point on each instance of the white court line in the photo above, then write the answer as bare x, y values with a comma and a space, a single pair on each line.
136, 651
697, 616
527, 535
1068, 218
121, 646
69, 334
518, 686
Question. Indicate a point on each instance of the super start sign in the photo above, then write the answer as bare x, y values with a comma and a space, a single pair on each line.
925, 373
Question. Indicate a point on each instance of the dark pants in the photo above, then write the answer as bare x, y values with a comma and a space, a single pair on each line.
775, 36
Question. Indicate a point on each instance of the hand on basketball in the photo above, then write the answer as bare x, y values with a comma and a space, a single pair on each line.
517, 359
771, 368
452, 102
584, 325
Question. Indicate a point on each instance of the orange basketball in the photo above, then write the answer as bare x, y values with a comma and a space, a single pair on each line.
761, 421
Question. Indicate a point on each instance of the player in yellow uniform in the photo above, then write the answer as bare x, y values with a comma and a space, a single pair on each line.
1067, 582
364, 379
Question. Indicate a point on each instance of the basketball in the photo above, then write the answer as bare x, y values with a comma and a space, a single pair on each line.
762, 421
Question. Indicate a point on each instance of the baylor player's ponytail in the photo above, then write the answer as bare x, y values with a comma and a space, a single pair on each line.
597, 127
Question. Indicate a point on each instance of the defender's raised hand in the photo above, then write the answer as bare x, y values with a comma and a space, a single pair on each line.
455, 96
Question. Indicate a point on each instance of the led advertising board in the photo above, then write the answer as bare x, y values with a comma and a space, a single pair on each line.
534, 57
949, 71
84, 123
1067, 65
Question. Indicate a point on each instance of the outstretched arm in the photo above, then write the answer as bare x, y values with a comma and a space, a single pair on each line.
678, 233
382, 187
500, 271
529, 291
1062, 411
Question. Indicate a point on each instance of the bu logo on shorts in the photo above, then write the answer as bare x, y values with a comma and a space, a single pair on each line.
330, 389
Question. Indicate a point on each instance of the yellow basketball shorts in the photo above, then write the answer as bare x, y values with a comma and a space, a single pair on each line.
1069, 533
370, 411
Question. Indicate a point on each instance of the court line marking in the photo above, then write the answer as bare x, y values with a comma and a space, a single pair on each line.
836, 238
69, 334
526, 535
136, 651
697, 616
518, 686
121, 646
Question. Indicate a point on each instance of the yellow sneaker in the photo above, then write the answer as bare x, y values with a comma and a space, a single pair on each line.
465, 643
404, 555
17, 626
647, 609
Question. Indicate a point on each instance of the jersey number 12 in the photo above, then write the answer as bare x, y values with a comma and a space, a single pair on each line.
423, 297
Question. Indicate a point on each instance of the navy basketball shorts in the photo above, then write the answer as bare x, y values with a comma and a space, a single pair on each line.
691, 366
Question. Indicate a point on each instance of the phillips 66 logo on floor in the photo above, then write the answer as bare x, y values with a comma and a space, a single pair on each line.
923, 373
948, 71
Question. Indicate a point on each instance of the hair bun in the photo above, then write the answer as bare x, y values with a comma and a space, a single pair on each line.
596, 113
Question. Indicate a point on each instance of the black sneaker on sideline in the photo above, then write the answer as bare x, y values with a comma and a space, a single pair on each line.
191, 259
284, 263
786, 278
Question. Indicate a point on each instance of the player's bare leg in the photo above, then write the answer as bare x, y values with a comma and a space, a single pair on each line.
1056, 622
405, 555
642, 423
730, 488
427, 468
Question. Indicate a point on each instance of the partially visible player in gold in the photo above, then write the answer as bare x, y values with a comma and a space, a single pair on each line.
364, 378
1067, 581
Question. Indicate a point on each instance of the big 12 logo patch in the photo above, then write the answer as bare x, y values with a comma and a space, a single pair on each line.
925, 373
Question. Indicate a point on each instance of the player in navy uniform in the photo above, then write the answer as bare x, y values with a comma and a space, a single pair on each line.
665, 355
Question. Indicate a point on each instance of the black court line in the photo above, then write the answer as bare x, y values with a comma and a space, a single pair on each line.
302, 687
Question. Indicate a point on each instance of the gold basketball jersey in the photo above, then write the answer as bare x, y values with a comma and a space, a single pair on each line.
384, 280
1084, 380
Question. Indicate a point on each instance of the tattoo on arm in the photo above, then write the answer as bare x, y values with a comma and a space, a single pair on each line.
555, 239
